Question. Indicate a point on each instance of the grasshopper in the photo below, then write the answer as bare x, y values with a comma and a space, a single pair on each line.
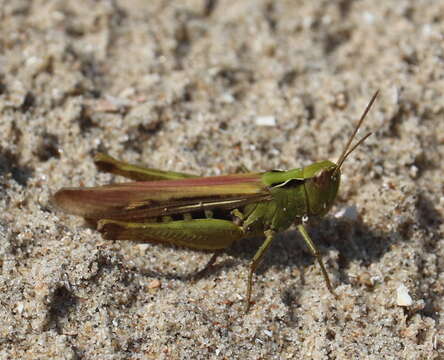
209, 213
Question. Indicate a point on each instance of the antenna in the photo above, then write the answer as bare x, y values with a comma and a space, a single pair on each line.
348, 151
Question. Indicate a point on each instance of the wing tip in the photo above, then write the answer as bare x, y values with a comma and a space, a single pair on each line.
72, 201
61, 201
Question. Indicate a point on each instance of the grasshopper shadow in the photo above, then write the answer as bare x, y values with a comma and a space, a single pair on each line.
353, 240
202, 270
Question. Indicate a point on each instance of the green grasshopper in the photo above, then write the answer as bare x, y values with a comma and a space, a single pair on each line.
209, 213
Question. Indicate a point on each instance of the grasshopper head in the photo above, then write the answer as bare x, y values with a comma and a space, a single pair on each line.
321, 187
323, 178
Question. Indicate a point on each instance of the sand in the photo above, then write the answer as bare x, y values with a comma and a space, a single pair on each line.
207, 87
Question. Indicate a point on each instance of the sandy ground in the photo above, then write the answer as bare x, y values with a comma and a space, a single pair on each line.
181, 86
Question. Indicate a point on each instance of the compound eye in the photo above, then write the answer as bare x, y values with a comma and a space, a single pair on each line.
322, 178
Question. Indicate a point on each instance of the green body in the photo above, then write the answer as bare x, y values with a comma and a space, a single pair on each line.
293, 195
293, 198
